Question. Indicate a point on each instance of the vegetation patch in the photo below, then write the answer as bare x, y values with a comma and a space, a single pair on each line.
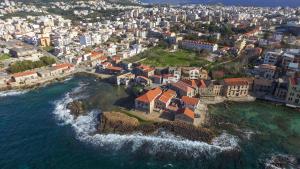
49, 49
161, 58
21, 66
4, 56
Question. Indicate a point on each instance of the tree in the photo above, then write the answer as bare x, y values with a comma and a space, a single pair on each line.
21, 66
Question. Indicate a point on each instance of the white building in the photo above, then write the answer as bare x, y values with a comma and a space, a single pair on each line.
198, 45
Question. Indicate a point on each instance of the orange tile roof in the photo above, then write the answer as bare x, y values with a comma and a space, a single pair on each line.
114, 68
236, 81
26, 73
182, 86
146, 68
166, 96
171, 92
190, 101
96, 54
63, 65
192, 83
188, 112
202, 84
150, 96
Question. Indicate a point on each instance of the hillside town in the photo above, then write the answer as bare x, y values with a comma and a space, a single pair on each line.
175, 59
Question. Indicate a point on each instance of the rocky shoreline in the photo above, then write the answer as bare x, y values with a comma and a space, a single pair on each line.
46, 82
120, 123
35, 85
116, 122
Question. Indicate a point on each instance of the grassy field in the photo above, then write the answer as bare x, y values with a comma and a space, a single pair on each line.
160, 57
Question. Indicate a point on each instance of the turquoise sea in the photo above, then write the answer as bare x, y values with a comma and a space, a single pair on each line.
37, 132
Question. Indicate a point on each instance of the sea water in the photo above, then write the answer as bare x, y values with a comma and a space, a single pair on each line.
37, 131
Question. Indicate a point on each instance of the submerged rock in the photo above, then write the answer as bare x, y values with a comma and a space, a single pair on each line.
77, 108
116, 122
282, 161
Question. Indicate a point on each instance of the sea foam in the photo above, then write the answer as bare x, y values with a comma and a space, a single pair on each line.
12, 93
85, 127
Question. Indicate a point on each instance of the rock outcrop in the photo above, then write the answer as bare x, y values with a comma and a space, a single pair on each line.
116, 122
77, 108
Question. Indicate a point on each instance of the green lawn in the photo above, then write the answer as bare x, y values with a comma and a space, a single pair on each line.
4, 56
161, 58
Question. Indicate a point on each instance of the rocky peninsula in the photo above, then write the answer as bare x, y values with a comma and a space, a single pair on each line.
120, 123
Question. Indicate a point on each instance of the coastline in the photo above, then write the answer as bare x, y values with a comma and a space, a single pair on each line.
44, 82
218, 100
35, 85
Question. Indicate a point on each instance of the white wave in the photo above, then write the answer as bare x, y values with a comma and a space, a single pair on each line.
226, 141
68, 79
12, 93
85, 127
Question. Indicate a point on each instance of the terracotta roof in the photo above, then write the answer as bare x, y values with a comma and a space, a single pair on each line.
96, 54
190, 100
202, 84
146, 68
188, 112
114, 68
191, 83
166, 96
236, 81
182, 86
63, 65
171, 92
26, 73
150, 95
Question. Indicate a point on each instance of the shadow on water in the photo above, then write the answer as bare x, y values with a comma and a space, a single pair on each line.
125, 102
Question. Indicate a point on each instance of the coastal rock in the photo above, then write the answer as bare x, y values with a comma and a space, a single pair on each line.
116, 122
282, 161
77, 108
